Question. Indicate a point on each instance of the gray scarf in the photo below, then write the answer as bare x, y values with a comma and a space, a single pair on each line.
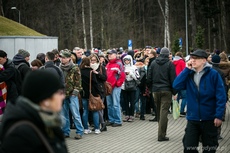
67, 67
50, 119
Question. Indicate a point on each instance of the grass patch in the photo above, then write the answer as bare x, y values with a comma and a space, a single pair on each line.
11, 28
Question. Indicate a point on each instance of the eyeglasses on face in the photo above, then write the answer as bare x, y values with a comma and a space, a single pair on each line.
127, 59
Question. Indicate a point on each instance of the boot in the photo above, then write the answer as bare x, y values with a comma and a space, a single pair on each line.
103, 127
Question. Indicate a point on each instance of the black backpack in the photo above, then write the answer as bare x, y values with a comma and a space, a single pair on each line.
18, 78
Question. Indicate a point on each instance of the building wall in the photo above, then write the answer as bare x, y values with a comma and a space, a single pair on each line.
34, 45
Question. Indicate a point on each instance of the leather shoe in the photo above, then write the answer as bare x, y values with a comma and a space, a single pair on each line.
153, 120
109, 124
103, 128
116, 125
163, 139
142, 118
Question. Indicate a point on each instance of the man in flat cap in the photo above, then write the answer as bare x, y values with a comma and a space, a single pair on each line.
206, 101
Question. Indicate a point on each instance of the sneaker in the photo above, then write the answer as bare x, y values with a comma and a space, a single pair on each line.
126, 119
97, 131
78, 137
87, 131
137, 115
131, 119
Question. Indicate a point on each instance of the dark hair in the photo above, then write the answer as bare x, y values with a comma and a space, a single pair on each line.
3, 53
50, 56
96, 56
85, 62
55, 51
41, 57
153, 52
37, 63
179, 54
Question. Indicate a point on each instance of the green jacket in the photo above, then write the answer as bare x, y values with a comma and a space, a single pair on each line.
73, 81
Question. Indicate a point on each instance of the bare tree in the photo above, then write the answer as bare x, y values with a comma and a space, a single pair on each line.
1, 9
83, 23
223, 23
193, 21
165, 14
91, 24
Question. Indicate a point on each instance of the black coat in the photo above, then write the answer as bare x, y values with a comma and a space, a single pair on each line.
85, 77
101, 78
24, 68
9, 76
24, 139
161, 74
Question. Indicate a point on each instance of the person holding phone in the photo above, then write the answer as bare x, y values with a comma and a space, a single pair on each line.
205, 102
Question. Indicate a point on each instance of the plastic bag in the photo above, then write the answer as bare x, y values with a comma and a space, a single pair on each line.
176, 110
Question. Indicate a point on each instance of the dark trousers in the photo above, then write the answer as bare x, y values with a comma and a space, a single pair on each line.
129, 101
163, 101
204, 129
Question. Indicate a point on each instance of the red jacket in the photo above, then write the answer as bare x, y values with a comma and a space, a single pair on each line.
115, 73
179, 65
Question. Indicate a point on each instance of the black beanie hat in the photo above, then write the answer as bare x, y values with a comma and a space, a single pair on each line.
40, 85
216, 59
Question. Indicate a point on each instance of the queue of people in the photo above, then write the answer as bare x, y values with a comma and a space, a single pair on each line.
143, 81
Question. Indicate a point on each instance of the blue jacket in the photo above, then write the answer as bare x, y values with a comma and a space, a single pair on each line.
209, 101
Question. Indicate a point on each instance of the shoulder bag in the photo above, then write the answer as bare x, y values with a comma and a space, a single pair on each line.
95, 102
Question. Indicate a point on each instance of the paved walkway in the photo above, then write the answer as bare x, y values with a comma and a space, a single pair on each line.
141, 137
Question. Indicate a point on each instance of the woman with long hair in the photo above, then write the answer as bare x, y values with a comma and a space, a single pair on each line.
85, 76
101, 76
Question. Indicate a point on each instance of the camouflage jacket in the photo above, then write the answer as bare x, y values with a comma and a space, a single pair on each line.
73, 81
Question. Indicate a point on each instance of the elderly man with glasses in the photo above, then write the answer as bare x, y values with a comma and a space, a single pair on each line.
206, 100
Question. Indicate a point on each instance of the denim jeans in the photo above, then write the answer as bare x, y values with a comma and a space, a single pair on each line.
208, 133
85, 104
71, 103
113, 105
137, 100
182, 95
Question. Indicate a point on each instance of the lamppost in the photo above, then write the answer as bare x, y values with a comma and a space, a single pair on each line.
15, 8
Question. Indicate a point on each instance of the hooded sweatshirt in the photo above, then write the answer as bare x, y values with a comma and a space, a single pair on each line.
130, 70
161, 74
179, 64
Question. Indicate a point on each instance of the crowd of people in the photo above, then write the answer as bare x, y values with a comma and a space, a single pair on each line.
52, 93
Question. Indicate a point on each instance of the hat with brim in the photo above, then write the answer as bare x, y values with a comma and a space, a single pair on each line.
200, 53
65, 54
112, 52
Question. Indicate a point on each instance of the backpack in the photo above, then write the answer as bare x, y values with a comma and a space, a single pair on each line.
18, 78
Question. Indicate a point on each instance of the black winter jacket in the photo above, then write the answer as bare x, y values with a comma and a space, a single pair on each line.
101, 78
9, 76
85, 77
161, 74
24, 139
24, 68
